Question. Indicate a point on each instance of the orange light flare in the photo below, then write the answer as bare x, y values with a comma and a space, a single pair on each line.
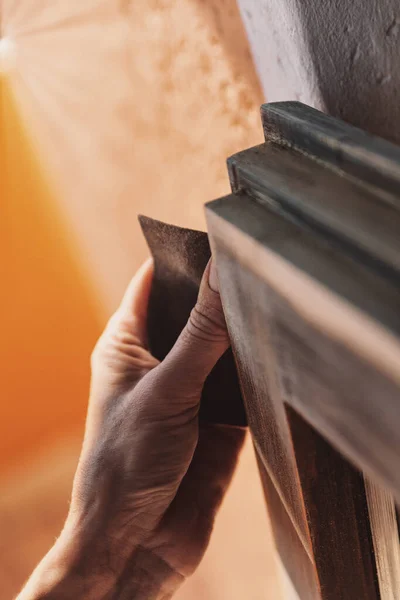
49, 310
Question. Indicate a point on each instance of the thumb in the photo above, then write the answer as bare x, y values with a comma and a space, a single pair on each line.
202, 342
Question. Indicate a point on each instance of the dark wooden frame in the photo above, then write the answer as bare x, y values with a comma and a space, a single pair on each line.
308, 254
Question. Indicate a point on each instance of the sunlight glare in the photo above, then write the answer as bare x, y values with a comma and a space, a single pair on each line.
8, 54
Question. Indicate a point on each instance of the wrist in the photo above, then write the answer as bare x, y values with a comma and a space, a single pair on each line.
146, 576
115, 567
65, 573
74, 568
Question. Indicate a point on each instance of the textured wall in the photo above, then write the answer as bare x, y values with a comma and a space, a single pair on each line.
342, 57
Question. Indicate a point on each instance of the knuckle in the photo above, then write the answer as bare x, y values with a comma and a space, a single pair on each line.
119, 351
207, 322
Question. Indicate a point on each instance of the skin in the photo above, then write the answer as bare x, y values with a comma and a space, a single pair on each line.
150, 479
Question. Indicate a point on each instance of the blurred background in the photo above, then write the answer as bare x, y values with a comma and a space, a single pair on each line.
108, 108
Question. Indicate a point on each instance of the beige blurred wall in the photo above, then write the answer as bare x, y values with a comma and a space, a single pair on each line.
137, 113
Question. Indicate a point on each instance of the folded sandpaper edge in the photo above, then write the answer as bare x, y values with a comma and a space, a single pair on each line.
180, 256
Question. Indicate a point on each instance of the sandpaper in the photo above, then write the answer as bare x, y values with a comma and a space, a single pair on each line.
180, 257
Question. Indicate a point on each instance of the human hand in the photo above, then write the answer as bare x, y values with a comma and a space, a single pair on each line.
150, 478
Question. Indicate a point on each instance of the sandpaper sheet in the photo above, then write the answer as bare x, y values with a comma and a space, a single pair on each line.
180, 257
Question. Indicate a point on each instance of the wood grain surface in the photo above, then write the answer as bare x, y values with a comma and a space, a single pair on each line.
385, 535
308, 261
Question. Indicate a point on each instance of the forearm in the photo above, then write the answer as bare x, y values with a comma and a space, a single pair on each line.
63, 576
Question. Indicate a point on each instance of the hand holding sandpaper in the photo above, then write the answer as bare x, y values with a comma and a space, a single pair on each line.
151, 475
180, 257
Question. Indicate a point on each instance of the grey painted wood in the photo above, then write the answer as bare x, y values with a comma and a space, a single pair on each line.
308, 258
341, 208
333, 141
336, 305
315, 557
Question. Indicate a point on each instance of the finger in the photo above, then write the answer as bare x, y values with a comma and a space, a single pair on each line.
135, 302
201, 343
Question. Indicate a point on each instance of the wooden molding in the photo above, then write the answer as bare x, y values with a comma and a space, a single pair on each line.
308, 259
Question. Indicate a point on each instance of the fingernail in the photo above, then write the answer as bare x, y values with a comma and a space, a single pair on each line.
213, 277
